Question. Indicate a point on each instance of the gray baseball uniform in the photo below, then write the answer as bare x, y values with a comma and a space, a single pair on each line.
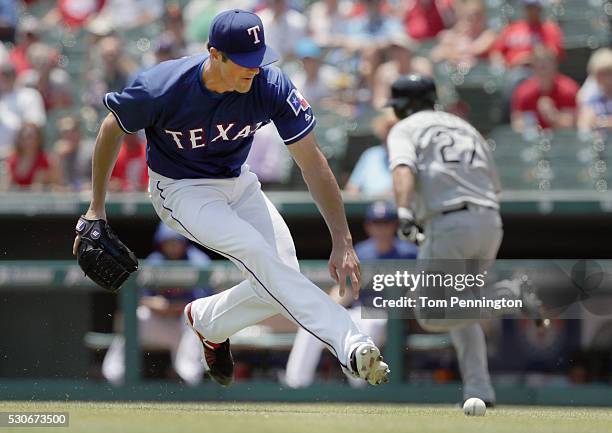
451, 160
456, 201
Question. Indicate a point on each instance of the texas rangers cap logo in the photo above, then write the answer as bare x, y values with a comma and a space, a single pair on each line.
297, 102
254, 31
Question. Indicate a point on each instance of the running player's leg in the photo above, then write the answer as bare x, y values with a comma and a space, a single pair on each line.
474, 237
471, 348
469, 341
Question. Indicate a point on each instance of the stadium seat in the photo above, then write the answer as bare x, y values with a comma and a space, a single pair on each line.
478, 89
517, 178
568, 176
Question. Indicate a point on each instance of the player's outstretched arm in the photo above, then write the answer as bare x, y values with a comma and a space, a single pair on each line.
104, 156
403, 186
324, 189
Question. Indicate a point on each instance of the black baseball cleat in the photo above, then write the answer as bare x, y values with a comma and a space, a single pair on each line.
218, 356
220, 363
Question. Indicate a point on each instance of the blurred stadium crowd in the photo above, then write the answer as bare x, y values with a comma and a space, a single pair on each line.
517, 69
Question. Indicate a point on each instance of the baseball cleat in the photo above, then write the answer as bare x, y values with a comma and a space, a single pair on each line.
217, 355
367, 363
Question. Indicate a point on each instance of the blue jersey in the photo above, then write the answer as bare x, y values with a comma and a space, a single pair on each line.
195, 133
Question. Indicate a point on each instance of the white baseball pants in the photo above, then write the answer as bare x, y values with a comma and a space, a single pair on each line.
470, 234
234, 218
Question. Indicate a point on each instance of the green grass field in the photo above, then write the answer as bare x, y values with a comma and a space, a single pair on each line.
311, 418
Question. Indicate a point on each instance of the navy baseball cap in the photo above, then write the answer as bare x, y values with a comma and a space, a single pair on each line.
240, 35
381, 211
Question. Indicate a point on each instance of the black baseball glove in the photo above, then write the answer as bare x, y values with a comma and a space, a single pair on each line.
102, 256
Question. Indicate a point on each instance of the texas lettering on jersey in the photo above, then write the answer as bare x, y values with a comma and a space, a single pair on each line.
194, 133
197, 137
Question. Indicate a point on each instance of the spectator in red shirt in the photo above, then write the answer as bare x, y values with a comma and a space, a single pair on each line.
130, 172
424, 19
28, 165
515, 45
548, 99
517, 41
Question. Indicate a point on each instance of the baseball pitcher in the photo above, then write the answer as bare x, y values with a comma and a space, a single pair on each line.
199, 114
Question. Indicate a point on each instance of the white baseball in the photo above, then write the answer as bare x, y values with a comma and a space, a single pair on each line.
474, 407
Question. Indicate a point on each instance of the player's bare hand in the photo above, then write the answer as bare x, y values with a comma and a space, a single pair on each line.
344, 263
90, 215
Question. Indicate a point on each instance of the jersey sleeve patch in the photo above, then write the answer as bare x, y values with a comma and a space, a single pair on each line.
297, 102
290, 111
